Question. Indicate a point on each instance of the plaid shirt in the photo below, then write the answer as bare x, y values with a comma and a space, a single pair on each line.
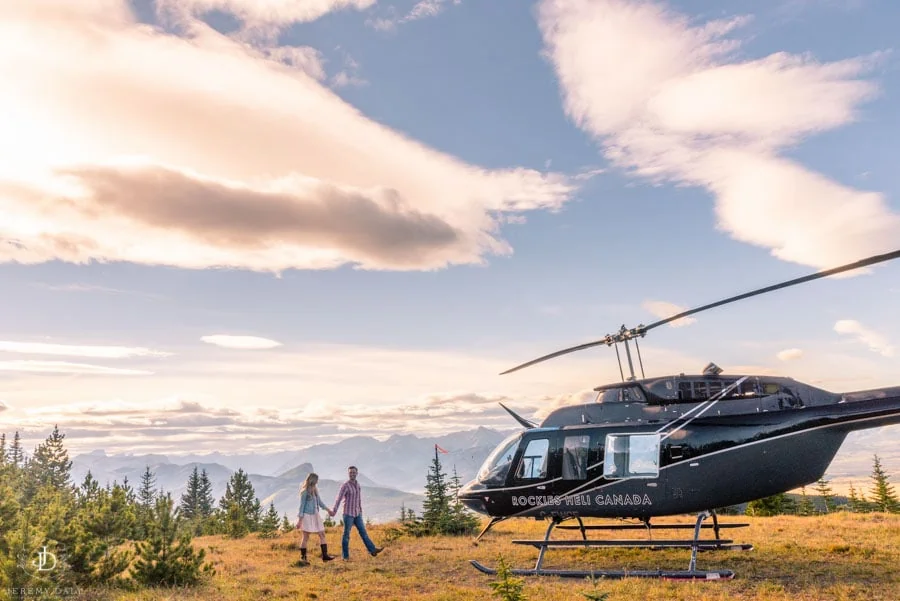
351, 495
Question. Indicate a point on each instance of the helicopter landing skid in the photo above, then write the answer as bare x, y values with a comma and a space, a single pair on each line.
692, 573
614, 574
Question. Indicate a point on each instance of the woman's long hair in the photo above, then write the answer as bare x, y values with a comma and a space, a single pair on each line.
309, 484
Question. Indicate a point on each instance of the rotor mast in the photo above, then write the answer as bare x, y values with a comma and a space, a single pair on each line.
624, 335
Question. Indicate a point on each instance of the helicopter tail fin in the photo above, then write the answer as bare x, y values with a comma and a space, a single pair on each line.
525, 423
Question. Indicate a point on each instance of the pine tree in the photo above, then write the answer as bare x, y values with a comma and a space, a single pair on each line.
241, 507
3, 458
206, 500
89, 489
827, 495
286, 524
436, 507
440, 515
50, 463
507, 586
167, 557
857, 501
883, 496
16, 455
147, 494
190, 499
268, 526
806, 506
129, 491
768, 506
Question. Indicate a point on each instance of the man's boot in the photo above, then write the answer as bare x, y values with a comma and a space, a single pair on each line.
303, 561
325, 555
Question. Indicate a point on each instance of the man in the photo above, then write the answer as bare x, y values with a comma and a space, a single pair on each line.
351, 495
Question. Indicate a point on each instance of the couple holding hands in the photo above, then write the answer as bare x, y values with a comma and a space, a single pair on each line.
311, 522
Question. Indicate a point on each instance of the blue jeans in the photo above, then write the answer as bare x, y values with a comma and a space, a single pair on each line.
349, 522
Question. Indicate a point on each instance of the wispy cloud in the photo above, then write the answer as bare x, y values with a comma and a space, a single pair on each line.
670, 99
240, 342
789, 354
74, 176
88, 288
256, 14
663, 309
65, 367
79, 350
423, 9
3, 406
875, 341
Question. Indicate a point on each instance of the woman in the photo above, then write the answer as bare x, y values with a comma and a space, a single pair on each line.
309, 519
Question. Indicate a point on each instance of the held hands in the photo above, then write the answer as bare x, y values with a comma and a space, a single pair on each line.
330, 512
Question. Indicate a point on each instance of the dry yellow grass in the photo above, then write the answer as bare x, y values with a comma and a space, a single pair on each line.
836, 557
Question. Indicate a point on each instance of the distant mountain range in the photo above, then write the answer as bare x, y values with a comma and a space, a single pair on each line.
392, 472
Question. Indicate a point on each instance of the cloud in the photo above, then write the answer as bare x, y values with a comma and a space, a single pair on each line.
76, 350
875, 341
423, 9
663, 309
78, 287
65, 367
672, 100
89, 132
264, 13
3, 406
240, 342
306, 59
789, 354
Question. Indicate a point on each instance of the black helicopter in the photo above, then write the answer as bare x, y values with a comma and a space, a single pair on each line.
668, 446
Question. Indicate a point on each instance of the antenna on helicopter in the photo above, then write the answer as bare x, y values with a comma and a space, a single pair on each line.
624, 334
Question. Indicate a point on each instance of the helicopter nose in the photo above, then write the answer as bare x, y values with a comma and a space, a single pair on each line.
470, 495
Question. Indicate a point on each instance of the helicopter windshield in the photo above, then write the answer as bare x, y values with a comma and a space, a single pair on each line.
496, 466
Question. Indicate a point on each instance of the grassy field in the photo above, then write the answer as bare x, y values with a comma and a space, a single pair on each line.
840, 557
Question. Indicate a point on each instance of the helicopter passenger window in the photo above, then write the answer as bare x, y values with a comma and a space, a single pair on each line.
534, 462
770, 387
575, 457
631, 456
633, 394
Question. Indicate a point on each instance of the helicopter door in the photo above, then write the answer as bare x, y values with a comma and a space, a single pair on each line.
632, 456
535, 462
636, 457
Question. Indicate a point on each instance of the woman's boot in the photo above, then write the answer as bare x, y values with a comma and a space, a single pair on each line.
325, 555
303, 561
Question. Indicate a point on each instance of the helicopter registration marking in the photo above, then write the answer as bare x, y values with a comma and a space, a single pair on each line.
534, 500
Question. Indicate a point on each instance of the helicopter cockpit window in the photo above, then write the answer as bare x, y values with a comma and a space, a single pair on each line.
631, 456
575, 457
611, 395
496, 466
533, 464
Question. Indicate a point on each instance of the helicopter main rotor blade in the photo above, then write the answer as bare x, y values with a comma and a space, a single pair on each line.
807, 278
580, 347
625, 335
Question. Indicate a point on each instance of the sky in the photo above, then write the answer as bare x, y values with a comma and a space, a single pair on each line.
263, 224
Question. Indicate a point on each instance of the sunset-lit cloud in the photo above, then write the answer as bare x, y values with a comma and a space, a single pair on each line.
240, 342
671, 99
663, 309
291, 178
265, 13
66, 367
79, 350
789, 354
875, 341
